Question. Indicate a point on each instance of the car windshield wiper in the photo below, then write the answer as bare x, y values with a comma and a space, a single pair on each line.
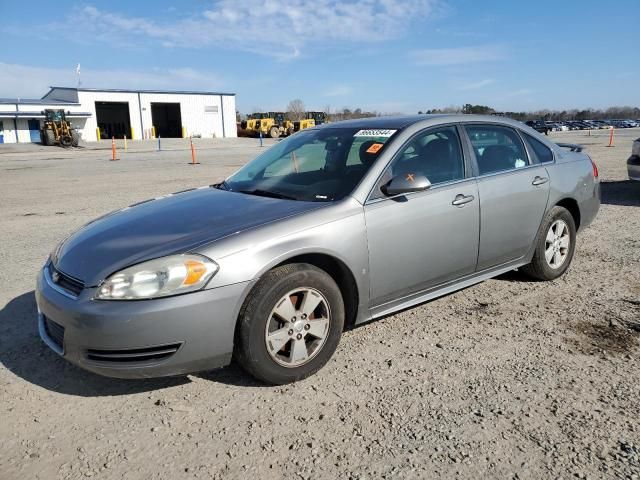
223, 185
267, 193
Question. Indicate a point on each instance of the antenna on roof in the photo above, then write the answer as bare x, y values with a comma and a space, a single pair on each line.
78, 74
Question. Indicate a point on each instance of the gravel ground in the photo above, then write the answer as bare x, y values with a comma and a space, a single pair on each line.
506, 379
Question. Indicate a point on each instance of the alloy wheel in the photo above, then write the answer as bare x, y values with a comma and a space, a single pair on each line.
557, 242
298, 327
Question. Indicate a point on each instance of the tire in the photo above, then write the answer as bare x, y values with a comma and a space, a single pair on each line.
274, 132
266, 344
66, 140
49, 137
75, 138
557, 225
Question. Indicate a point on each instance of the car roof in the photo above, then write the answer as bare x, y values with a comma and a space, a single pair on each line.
399, 122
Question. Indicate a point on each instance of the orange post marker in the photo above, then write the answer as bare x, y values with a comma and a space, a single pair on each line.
193, 153
113, 149
611, 137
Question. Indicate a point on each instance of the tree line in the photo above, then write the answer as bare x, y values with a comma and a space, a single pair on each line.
546, 114
296, 110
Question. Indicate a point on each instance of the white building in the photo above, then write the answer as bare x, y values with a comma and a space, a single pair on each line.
138, 114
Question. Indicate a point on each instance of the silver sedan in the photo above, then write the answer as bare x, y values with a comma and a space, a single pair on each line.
334, 226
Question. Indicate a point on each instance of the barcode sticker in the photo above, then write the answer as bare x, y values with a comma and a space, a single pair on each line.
375, 133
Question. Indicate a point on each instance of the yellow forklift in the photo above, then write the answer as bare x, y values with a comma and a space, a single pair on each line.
56, 130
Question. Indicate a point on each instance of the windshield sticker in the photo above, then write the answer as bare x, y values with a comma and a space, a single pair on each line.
375, 148
375, 133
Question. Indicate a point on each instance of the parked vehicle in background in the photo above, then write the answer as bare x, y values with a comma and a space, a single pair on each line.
336, 225
57, 130
633, 163
539, 126
310, 120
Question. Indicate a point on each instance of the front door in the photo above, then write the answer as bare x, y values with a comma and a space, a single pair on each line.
34, 130
421, 240
513, 194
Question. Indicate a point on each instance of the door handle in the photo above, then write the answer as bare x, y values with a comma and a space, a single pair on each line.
461, 200
539, 181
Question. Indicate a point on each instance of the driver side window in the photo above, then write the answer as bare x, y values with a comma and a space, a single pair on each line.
435, 154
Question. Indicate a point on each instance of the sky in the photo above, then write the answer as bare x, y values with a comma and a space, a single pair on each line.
391, 56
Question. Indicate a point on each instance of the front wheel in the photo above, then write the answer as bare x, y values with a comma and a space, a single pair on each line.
555, 246
49, 138
274, 132
290, 324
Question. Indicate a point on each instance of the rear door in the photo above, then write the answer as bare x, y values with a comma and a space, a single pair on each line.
513, 191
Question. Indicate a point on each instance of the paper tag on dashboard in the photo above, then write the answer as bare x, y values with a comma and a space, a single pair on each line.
375, 148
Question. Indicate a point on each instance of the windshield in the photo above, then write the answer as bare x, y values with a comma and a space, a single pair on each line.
321, 165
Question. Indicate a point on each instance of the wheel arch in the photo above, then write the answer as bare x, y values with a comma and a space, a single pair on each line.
572, 206
335, 267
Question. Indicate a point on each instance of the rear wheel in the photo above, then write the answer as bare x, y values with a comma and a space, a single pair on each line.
555, 246
290, 324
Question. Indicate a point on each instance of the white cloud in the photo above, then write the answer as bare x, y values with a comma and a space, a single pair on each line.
458, 56
269, 27
338, 91
476, 85
12, 79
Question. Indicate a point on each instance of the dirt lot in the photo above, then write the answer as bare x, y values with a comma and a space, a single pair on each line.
507, 379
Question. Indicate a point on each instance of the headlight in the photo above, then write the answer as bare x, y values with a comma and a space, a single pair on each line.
158, 278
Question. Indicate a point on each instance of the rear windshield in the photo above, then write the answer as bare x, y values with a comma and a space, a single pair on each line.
320, 165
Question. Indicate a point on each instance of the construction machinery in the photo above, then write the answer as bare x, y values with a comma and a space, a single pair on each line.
56, 130
311, 119
247, 128
273, 124
250, 122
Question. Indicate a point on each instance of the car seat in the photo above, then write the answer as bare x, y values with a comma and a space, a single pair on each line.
496, 158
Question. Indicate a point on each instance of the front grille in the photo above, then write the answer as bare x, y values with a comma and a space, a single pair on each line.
54, 331
147, 354
64, 281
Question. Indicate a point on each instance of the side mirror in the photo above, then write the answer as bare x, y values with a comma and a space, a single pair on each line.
406, 183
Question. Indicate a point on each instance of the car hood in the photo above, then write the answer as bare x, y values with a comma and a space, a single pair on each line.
167, 225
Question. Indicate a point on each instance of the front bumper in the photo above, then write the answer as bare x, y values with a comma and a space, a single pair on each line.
140, 338
633, 167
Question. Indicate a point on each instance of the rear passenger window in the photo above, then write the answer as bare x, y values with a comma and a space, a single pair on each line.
497, 148
539, 149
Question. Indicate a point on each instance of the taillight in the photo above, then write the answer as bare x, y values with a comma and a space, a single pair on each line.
595, 168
